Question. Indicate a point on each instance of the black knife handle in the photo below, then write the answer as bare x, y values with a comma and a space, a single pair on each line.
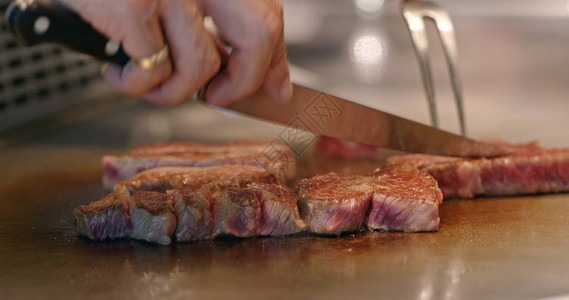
49, 21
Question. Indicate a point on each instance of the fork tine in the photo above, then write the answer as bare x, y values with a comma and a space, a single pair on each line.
416, 26
448, 39
414, 13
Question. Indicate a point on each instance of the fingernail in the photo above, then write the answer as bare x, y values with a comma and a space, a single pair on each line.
104, 69
286, 91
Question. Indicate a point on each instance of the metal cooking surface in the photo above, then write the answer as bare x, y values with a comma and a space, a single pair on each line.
513, 247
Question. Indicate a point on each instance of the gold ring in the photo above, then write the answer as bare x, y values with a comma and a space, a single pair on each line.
150, 61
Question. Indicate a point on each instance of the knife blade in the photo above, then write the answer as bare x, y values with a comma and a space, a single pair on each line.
328, 115
48, 21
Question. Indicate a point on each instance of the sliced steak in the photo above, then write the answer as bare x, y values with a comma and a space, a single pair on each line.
107, 218
404, 199
200, 203
152, 217
528, 171
144, 215
193, 209
335, 203
237, 212
401, 198
279, 210
419, 160
117, 168
274, 157
256, 209
239, 146
167, 178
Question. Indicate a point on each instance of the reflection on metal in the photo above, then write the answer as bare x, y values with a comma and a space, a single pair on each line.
427, 289
368, 51
443, 278
414, 13
368, 8
455, 273
369, 5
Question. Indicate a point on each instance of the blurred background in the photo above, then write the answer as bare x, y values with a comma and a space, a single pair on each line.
513, 61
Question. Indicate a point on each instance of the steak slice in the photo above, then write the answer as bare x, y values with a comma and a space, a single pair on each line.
167, 178
335, 203
280, 213
200, 203
404, 199
107, 218
529, 171
280, 161
151, 217
117, 168
144, 216
419, 160
237, 212
193, 209
238, 146
256, 209
401, 198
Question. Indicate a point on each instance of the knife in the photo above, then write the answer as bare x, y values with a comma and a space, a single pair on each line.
49, 21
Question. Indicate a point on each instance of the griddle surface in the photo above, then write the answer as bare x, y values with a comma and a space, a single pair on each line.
511, 247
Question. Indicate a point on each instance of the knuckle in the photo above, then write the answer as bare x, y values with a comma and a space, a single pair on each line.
199, 68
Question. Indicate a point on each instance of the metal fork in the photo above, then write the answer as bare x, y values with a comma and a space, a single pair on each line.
415, 12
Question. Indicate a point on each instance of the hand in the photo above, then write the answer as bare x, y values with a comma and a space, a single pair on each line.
254, 29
